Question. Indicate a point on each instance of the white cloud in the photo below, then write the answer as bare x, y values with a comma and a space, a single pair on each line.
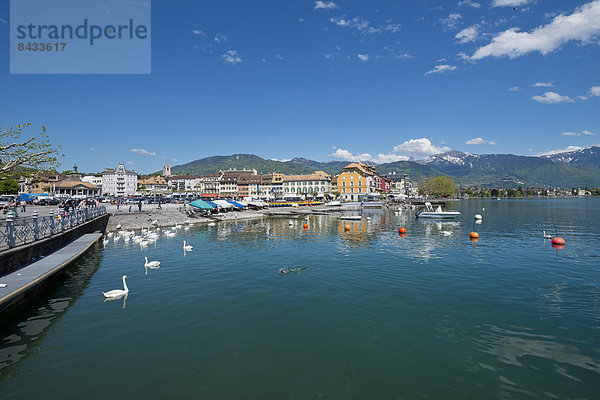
583, 132
325, 5
543, 84
143, 151
469, 34
364, 26
92, 149
595, 90
220, 38
565, 150
130, 163
381, 158
300, 20
440, 69
469, 3
363, 57
514, 89
582, 26
478, 141
197, 32
231, 57
452, 21
281, 160
552, 98
419, 147
509, 3
582, 98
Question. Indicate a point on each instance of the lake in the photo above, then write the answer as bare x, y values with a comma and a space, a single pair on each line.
374, 316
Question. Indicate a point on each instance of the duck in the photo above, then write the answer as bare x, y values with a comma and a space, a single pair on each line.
188, 247
118, 292
546, 236
151, 264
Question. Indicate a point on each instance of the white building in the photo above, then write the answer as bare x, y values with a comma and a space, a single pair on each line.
93, 179
319, 183
119, 181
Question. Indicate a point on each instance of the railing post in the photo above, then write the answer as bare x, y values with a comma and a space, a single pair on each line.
10, 229
36, 228
51, 222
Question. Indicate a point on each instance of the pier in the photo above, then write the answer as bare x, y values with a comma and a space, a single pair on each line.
23, 280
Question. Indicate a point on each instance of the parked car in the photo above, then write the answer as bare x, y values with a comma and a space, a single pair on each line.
48, 201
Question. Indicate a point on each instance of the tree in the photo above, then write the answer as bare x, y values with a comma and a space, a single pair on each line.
9, 186
422, 185
36, 152
494, 193
441, 186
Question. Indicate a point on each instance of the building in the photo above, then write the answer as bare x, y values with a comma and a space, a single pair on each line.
228, 181
249, 186
319, 183
93, 179
75, 188
119, 181
153, 184
209, 184
358, 179
166, 170
183, 183
271, 185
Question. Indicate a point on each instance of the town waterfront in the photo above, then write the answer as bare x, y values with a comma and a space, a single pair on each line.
374, 315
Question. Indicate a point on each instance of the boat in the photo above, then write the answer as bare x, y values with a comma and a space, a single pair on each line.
351, 217
333, 203
437, 213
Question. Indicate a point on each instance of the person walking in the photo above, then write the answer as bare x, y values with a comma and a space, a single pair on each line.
140, 205
23, 205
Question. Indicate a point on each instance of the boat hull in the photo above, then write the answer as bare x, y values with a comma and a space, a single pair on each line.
439, 215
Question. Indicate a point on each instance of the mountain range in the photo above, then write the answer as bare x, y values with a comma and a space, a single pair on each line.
578, 168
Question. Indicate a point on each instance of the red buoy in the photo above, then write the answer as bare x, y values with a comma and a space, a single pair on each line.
402, 230
305, 226
558, 240
474, 235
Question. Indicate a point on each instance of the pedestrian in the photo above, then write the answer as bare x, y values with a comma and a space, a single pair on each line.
23, 204
159, 206
140, 205
129, 208
118, 204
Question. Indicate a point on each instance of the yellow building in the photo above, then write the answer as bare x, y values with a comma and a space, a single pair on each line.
356, 180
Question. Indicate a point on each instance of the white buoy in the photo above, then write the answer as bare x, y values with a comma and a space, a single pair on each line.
478, 216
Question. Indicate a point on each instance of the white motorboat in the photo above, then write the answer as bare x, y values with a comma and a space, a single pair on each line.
437, 213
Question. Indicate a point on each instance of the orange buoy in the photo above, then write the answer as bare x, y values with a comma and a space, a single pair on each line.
402, 230
347, 227
474, 235
305, 226
558, 240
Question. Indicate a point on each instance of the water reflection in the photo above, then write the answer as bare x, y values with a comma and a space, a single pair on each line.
122, 296
25, 326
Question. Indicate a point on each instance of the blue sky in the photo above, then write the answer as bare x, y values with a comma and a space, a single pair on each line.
354, 80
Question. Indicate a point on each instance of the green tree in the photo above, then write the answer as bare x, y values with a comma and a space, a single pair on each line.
17, 153
441, 186
9, 186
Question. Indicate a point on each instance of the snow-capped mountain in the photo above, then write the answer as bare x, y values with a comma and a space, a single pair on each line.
589, 157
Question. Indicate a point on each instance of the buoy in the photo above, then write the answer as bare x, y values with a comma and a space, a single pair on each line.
558, 240
478, 216
474, 240
474, 235
305, 226
558, 246
347, 227
402, 230
402, 235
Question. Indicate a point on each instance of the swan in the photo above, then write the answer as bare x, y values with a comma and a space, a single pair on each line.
447, 233
188, 247
119, 226
211, 224
110, 234
152, 264
104, 241
546, 236
155, 222
118, 292
171, 234
117, 237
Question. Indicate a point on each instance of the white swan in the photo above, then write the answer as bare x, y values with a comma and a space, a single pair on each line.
171, 234
118, 292
110, 234
211, 224
447, 233
546, 236
151, 264
119, 226
188, 247
104, 241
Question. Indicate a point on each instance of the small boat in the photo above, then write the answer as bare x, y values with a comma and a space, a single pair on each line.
351, 217
437, 213
333, 203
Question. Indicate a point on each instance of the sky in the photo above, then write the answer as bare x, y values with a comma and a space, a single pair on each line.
348, 80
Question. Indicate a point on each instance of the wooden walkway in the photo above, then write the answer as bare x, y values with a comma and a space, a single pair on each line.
21, 281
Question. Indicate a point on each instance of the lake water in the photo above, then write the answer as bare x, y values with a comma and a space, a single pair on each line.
374, 316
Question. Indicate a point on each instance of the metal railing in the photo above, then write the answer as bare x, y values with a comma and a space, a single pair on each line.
18, 231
